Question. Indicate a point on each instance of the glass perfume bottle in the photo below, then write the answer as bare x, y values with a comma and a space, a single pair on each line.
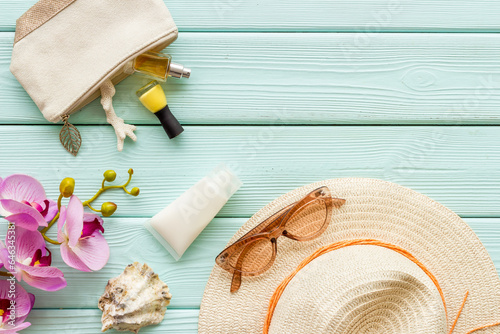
158, 66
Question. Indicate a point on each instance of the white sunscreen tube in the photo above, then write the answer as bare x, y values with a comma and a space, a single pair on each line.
180, 223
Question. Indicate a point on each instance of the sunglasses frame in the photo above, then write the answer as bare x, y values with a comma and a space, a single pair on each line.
271, 229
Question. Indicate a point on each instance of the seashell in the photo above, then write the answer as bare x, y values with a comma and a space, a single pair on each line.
135, 299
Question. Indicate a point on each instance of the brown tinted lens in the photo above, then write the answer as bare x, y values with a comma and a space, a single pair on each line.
308, 221
253, 257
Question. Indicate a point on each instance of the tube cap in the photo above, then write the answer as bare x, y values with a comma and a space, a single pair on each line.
170, 124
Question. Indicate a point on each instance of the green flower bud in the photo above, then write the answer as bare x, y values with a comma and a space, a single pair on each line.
110, 175
67, 187
135, 191
108, 208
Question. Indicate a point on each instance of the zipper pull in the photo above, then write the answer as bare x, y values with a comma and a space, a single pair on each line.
70, 136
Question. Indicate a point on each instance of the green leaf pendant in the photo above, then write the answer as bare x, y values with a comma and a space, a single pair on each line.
70, 137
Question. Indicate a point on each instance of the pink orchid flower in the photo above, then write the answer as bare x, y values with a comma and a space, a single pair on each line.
23, 202
10, 293
83, 246
26, 257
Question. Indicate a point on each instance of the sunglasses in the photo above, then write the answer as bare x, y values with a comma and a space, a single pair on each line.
255, 252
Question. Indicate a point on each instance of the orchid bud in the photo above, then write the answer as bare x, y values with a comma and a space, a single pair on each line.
67, 187
108, 208
135, 191
110, 175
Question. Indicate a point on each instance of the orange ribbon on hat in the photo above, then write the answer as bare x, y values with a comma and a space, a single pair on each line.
321, 251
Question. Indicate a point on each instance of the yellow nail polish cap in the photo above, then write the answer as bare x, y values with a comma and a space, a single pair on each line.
152, 96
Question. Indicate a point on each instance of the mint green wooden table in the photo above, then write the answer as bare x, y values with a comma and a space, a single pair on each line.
289, 92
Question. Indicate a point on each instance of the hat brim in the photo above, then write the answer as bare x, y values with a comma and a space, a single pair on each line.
374, 209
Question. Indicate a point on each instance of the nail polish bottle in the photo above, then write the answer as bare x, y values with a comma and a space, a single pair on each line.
153, 98
157, 65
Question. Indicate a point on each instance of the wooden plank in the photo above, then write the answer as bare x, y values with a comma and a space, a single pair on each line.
488, 230
317, 15
89, 321
457, 166
186, 320
130, 242
247, 78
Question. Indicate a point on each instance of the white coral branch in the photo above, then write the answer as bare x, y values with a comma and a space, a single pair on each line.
122, 130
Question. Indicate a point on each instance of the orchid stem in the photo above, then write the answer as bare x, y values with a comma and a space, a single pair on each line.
52, 222
59, 200
4, 274
86, 203
91, 208
50, 240
104, 188
128, 192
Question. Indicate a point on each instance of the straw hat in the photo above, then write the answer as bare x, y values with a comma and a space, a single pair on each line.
404, 266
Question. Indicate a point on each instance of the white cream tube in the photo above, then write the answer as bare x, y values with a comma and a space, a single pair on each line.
180, 223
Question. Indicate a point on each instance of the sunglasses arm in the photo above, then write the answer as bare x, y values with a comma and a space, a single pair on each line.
236, 281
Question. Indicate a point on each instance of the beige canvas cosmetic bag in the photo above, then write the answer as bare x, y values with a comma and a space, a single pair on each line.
68, 52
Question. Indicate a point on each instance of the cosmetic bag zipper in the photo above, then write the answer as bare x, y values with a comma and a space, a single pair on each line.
69, 135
